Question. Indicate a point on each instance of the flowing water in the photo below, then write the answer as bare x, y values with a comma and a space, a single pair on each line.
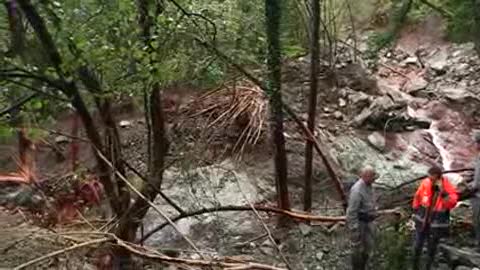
450, 135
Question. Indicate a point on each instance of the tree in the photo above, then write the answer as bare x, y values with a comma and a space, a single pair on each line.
273, 15
476, 34
312, 102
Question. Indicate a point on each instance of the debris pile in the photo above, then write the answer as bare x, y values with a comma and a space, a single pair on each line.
236, 111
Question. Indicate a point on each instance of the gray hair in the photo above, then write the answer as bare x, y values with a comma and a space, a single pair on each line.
367, 169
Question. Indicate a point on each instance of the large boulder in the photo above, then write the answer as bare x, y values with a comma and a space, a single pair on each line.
352, 153
386, 115
206, 187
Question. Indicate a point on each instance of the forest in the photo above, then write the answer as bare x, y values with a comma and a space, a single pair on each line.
230, 134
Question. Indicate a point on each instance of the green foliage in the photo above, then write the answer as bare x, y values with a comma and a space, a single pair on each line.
393, 249
399, 16
460, 27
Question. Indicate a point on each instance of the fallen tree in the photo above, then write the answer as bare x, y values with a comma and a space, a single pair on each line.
268, 209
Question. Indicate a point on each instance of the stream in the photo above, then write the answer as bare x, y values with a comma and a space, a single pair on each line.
450, 134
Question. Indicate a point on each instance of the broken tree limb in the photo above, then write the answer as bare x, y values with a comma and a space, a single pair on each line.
326, 161
333, 175
269, 233
155, 256
267, 209
160, 192
148, 202
457, 257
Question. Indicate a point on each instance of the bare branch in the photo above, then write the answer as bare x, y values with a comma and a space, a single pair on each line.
18, 104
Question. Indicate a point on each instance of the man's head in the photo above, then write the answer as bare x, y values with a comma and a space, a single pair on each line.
435, 173
476, 139
368, 174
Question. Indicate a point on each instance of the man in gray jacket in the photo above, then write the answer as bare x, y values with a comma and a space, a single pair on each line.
361, 212
475, 187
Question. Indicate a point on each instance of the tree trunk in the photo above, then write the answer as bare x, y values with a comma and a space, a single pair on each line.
17, 31
129, 224
312, 103
273, 15
476, 33
70, 89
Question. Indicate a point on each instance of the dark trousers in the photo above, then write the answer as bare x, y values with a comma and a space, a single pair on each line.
433, 238
362, 244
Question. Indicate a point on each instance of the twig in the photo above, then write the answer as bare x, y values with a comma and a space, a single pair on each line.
394, 70
265, 227
155, 256
134, 189
59, 252
144, 179
250, 240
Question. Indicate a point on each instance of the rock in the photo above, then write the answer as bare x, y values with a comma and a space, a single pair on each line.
61, 139
319, 255
412, 60
416, 84
342, 102
462, 268
360, 100
456, 94
352, 153
305, 229
338, 115
438, 62
125, 124
462, 68
210, 186
377, 141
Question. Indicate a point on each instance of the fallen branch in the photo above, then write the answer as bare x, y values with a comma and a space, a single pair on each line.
59, 252
229, 208
155, 256
425, 176
169, 221
161, 193
265, 227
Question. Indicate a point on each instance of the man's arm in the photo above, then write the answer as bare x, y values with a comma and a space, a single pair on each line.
449, 194
354, 202
417, 197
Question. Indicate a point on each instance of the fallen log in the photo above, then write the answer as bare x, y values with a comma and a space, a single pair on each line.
460, 257
292, 214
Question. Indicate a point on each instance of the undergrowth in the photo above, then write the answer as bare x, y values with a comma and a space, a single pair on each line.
459, 24
393, 249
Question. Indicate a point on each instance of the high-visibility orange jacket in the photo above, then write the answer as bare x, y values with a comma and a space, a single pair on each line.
440, 215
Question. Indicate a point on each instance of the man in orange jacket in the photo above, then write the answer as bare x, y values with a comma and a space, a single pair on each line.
434, 199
